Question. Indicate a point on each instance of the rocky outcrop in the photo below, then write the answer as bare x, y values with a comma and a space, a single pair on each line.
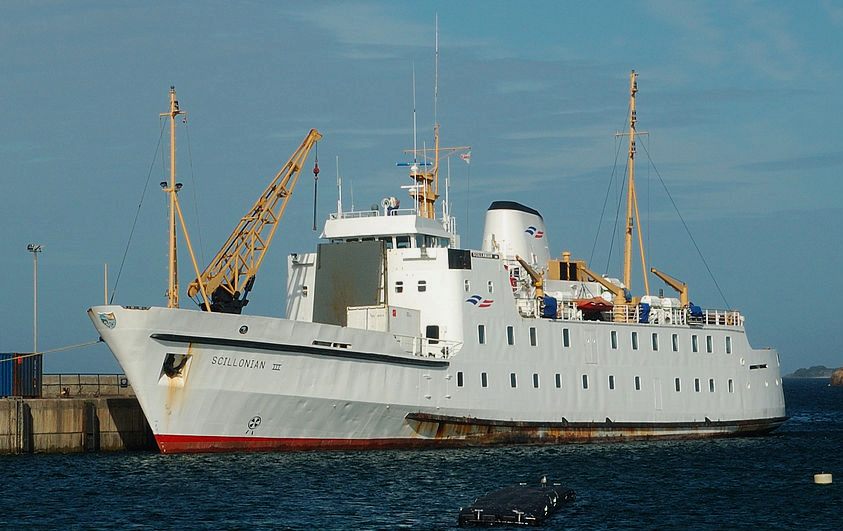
837, 377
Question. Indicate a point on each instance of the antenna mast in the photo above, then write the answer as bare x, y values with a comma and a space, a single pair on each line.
632, 216
171, 189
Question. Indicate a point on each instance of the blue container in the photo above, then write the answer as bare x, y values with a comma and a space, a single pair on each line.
28, 372
7, 371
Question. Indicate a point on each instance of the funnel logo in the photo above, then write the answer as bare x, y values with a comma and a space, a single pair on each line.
479, 301
534, 232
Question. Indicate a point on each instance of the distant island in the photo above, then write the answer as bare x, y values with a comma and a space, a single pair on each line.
817, 371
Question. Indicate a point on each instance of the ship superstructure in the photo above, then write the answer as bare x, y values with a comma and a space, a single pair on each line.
396, 335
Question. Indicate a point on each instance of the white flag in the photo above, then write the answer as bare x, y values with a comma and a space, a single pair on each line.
466, 157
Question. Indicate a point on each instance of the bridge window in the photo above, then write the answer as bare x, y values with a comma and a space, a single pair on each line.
481, 334
402, 242
614, 336
484, 380
728, 344
532, 336
510, 335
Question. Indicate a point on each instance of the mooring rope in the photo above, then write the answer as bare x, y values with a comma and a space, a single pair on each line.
52, 351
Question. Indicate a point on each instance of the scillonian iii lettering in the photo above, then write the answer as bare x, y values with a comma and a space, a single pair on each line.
240, 363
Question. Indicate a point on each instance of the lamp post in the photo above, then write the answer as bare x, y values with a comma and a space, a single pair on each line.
34, 248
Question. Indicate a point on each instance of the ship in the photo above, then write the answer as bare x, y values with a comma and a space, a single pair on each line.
397, 336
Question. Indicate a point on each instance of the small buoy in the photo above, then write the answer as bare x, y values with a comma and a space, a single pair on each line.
822, 479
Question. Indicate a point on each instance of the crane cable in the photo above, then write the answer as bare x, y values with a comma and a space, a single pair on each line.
137, 214
315, 180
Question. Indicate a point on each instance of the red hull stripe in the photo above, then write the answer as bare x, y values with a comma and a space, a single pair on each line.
214, 443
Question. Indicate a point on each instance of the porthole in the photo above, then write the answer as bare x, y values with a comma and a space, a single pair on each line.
244, 329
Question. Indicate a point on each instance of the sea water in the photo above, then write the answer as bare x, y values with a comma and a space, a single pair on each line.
753, 482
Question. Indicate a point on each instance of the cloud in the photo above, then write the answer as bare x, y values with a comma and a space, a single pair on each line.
804, 162
368, 31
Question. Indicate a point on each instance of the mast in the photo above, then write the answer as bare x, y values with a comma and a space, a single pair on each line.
632, 217
171, 189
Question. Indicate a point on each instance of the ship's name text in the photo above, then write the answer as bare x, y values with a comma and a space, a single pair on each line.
241, 363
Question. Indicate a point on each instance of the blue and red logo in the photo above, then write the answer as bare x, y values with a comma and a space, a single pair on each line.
534, 232
479, 301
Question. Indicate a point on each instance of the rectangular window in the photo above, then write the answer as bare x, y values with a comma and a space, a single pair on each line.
490, 287
431, 332
731, 386
614, 336
402, 242
566, 338
467, 285
510, 335
674, 341
399, 286
728, 344
422, 285
484, 380
512, 380
532, 336
535, 380
459, 379
637, 383
695, 343
558, 381
481, 334
655, 342
635, 341
611, 381
585, 381
709, 346
697, 385
678, 386
711, 385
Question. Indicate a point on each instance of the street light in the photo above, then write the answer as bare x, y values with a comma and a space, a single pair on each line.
34, 248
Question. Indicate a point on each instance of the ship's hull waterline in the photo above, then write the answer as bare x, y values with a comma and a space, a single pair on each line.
243, 383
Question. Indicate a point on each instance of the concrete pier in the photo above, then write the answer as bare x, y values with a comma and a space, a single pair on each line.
74, 424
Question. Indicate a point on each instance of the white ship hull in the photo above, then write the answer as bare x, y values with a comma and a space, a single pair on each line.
270, 387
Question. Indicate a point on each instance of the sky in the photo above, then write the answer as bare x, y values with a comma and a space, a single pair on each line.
741, 102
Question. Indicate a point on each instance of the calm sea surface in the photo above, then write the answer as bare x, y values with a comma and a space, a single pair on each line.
759, 482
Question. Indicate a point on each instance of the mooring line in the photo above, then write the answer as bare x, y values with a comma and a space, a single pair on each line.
17, 356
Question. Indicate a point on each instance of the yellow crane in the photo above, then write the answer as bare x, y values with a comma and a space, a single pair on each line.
231, 274
678, 285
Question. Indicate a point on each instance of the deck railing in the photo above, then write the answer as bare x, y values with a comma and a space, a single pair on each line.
428, 348
631, 313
